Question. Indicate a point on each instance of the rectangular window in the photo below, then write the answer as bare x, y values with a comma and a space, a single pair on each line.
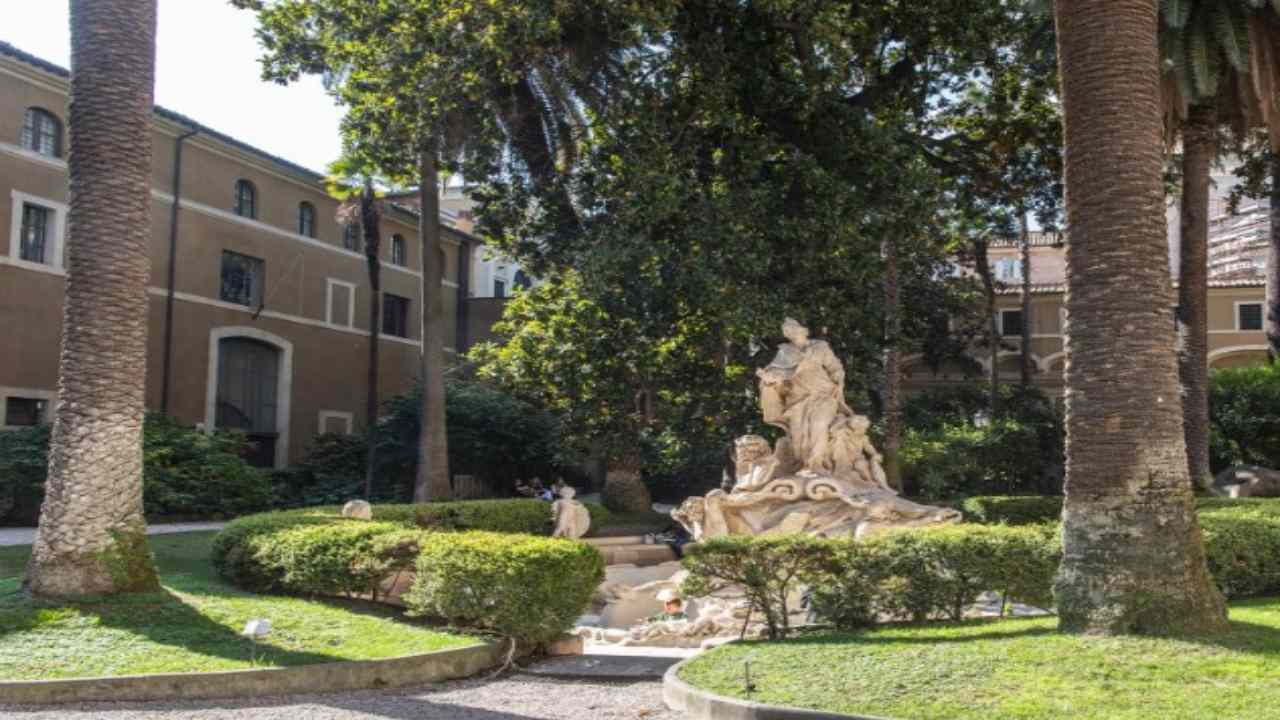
398, 251
24, 411
1011, 323
35, 233
342, 302
499, 289
242, 279
351, 237
395, 315
1248, 316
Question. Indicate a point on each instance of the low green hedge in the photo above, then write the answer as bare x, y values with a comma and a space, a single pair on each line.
1034, 509
933, 573
518, 586
937, 572
1011, 509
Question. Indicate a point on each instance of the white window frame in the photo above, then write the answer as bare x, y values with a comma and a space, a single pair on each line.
1262, 306
328, 302
1000, 319
1014, 272
49, 396
57, 228
327, 415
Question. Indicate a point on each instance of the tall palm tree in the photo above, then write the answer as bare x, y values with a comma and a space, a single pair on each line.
1133, 556
92, 534
1219, 61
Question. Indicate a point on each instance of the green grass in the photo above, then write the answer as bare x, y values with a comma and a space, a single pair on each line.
1012, 670
191, 625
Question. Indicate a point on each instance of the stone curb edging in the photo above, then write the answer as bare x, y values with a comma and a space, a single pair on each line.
699, 704
407, 670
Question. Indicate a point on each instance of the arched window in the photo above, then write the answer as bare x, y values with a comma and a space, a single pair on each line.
306, 219
42, 132
399, 251
522, 280
246, 199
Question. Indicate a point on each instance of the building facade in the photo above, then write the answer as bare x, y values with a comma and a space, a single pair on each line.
1236, 336
258, 298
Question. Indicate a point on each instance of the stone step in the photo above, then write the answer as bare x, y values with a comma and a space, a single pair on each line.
639, 554
616, 540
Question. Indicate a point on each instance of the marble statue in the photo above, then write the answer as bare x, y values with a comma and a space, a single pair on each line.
823, 477
571, 518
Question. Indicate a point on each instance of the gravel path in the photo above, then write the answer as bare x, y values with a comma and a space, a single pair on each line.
26, 536
514, 697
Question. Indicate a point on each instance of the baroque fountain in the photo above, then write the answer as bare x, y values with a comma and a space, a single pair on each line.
823, 477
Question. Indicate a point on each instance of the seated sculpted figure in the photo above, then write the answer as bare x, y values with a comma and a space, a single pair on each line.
823, 477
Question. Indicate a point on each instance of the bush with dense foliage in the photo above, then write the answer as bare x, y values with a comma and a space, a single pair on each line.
527, 588
954, 446
1011, 509
1244, 416
186, 472
492, 436
249, 550
766, 569
936, 572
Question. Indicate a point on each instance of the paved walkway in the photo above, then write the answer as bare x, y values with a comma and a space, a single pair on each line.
26, 536
512, 697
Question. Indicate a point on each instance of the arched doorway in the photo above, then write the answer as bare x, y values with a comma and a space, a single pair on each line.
248, 373
250, 379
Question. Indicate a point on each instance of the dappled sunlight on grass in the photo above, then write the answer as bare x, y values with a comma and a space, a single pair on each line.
192, 624
1017, 668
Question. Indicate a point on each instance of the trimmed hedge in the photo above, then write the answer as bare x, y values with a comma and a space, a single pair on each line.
519, 586
1011, 509
937, 572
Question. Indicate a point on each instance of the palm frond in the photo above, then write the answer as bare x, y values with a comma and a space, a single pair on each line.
1203, 61
1231, 28
1176, 12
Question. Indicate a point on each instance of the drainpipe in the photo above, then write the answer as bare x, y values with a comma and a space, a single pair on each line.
464, 289
173, 265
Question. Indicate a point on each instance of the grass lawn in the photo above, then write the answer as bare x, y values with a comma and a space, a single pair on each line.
192, 624
1012, 669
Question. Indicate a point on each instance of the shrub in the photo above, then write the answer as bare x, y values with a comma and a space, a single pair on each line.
24, 455
1244, 416
492, 436
936, 572
527, 588
767, 569
521, 515
236, 548
625, 492
1011, 509
953, 447
186, 472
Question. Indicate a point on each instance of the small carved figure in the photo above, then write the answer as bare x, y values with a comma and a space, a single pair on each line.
571, 518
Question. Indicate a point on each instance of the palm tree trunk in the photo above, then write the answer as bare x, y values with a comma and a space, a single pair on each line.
1133, 558
1024, 248
892, 367
983, 265
92, 535
370, 221
1273, 266
1198, 149
432, 481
